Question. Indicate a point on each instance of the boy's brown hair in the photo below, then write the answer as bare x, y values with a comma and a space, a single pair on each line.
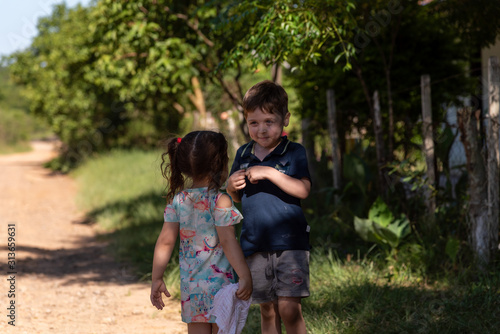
268, 96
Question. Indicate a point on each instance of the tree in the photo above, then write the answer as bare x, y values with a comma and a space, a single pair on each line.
52, 73
166, 51
123, 74
278, 30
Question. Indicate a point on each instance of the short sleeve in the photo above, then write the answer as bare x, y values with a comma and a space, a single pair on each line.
301, 168
227, 216
171, 214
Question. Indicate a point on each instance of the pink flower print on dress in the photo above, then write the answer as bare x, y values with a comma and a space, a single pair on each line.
186, 234
234, 215
169, 210
218, 270
201, 205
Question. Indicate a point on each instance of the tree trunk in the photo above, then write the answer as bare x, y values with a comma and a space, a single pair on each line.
308, 143
231, 123
197, 99
428, 147
390, 153
377, 127
493, 153
334, 138
277, 74
379, 142
468, 123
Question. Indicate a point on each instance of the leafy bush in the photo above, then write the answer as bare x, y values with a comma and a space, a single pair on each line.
382, 227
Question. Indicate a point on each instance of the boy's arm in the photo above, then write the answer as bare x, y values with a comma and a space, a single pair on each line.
235, 183
163, 251
299, 188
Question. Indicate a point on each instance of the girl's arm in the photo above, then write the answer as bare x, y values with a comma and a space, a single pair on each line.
163, 251
299, 188
234, 254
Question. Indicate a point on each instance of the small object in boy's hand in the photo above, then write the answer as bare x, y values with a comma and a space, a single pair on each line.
244, 166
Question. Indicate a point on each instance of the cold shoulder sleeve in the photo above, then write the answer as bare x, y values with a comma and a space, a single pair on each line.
171, 214
227, 216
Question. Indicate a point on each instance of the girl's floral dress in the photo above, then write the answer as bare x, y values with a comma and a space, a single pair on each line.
203, 266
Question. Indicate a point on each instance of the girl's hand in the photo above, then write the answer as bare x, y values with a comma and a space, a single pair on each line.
245, 289
157, 288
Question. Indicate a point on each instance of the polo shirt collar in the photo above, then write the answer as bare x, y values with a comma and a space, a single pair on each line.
278, 150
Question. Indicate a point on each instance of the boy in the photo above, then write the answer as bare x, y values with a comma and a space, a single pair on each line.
270, 176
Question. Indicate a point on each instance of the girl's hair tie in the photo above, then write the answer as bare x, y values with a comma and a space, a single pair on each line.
179, 139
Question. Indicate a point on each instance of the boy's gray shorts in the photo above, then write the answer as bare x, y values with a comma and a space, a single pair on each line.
279, 274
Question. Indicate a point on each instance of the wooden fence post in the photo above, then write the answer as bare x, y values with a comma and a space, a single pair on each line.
334, 138
493, 155
428, 141
477, 211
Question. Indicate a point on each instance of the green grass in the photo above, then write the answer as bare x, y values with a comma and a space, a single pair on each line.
359, 297
15, 129
122, 193
15, 148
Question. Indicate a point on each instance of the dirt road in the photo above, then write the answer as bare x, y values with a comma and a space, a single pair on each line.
62, 280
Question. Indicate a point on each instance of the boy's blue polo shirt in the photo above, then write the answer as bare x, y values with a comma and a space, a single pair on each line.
273, 220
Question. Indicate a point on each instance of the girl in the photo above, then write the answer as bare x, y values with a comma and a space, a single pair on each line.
204, 218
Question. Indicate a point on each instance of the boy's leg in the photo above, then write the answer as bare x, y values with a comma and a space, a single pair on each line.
264, 280
290, 311
292, 270
270, 321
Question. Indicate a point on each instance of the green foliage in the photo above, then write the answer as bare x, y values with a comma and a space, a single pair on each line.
15, 131
357, 297
278, 30
122, 194
10, 94
147, 53
52, 72
124, 74
17, 126
452, 248
461, 16
382, 227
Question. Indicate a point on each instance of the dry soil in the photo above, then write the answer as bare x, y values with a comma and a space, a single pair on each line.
63, 279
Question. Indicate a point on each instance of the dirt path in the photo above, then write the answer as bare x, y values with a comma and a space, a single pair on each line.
64, 282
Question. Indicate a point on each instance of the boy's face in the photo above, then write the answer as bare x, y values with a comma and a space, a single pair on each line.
266, 128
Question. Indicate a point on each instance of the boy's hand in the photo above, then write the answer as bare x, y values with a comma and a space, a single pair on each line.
257, 173
157, 288
245, 289
236, 181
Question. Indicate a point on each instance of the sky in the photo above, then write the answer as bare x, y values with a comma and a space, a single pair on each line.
18, 21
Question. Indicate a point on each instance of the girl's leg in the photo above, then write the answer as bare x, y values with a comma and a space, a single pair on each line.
202, 328
290, 310
270, 321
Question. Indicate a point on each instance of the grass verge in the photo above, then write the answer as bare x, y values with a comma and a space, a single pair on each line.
122, 193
